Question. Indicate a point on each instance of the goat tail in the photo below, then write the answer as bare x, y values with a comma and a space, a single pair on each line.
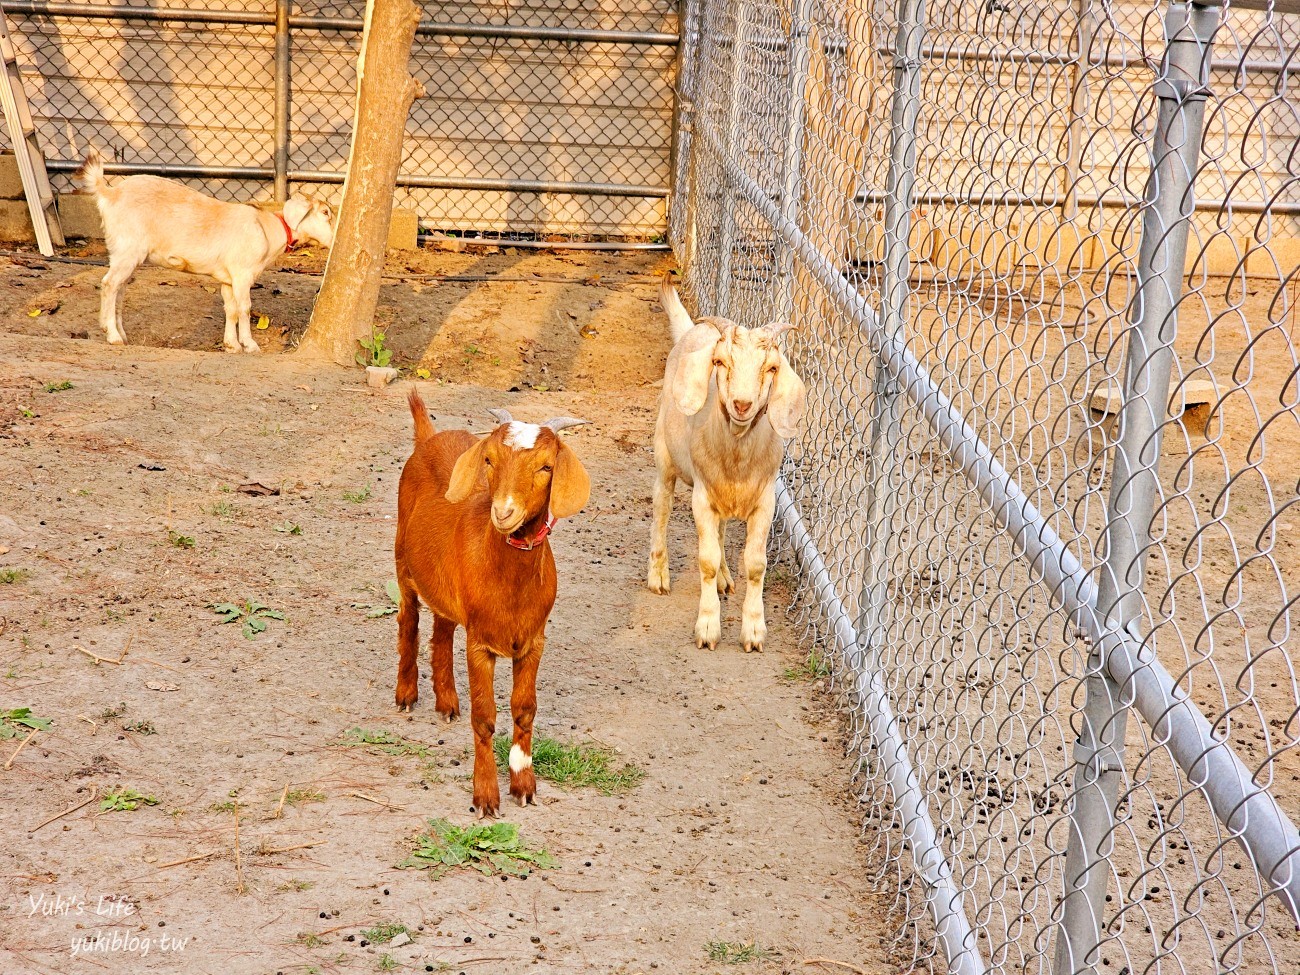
679, 320
90, 174
423, 425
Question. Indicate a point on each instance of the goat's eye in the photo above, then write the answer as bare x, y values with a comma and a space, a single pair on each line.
719, 362
488, 461
545, 468
774, 370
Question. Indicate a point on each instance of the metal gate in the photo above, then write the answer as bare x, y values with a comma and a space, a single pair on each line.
542, 118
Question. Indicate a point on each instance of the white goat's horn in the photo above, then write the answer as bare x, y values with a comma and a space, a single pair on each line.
501, 416
559, 423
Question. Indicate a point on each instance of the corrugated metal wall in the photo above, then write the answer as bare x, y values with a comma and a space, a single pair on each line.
592, 114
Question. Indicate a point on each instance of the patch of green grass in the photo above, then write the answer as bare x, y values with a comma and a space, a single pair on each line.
108, 714
296, 885
381, 934
384, 741
356, 497
814, 667
180, 541
59, 386
387, 963
225, 807
11, 576
27, 414
295, 796
21, 722
123, 800
309, 940
289, 528
221, 509
253, 613
575, 765
141, 727
488, 848
736, 952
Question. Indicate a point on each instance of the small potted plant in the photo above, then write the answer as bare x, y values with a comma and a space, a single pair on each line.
376, 359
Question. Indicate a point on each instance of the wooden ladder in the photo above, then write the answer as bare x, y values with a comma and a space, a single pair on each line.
27, 151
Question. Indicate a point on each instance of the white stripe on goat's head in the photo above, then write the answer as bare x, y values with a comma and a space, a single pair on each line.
526, 470
749, 371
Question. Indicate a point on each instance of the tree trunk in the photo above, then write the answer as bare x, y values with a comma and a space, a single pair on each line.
345, 307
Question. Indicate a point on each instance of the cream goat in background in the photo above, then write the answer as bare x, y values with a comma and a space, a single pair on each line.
730, 401
148, 218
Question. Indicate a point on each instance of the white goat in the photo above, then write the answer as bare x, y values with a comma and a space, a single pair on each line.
147, 218
729, 402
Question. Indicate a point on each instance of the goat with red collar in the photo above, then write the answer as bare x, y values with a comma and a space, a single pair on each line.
473, 518
147, 218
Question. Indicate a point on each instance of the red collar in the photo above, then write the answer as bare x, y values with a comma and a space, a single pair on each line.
527, 545
289, 241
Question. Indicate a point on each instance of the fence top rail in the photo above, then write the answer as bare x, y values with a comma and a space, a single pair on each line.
103, 11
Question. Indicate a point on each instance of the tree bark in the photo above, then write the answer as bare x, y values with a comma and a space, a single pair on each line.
345, 307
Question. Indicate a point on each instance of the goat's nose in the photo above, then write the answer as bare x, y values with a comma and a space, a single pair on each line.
741, 406
504, 512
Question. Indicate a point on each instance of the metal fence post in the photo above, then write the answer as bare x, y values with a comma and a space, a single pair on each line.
727, 232
792, 163
1169, 204
281, 136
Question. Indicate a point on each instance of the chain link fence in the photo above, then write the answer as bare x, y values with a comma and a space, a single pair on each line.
1044, 262
542, 118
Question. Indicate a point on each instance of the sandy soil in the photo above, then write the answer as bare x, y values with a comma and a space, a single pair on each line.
740, 832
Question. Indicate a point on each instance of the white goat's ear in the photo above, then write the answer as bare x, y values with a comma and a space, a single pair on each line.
785, 404
468, 473
295, 210
570, 485
690, 383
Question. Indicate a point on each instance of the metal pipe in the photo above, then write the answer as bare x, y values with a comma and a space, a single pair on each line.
1014, 199
422, 182
1099, 752
1258, 823
96, 11
792, 161
727, 231
282, 68
573, 245
942, 895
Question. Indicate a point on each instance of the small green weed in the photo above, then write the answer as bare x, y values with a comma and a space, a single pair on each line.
180, 541
59, 386
289, 528
356, 497
108, 714
295, 885
375, 612
387, 963
226, 807
11, 576
736, 952
253, 613
381, 934
141, 727
21, 721
575, 765
488, 848
295, 796
373, 352
814, 667
123, 800
221, 509
384, 741
309, 940
27, 414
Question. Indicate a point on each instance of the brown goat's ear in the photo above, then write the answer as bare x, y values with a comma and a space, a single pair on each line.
467, 473
785, 404
570, 485
694, 370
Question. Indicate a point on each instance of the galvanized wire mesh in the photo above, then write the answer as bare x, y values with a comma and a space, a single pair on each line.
564, 134
1015, 281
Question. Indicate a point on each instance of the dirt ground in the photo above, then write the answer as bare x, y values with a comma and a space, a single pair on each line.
741, 831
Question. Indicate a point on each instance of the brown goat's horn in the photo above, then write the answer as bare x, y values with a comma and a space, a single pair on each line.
558, 423
501, 416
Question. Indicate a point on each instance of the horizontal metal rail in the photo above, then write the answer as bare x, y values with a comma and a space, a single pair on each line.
966, 52
323, 176
936, 198
1250, 813
100, 11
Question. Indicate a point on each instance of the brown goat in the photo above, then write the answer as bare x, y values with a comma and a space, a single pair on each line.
472, 519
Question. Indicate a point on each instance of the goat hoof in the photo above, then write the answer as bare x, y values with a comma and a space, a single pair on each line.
753, 648
250, 347
230, 346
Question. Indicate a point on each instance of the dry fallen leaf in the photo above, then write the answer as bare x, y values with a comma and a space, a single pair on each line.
157, 685
263, 322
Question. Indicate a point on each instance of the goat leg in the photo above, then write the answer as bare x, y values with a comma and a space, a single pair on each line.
753, 625
523, 709
444, 679
483, 718
230, 339
708, 625
657, 572
725, 583
408, 640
